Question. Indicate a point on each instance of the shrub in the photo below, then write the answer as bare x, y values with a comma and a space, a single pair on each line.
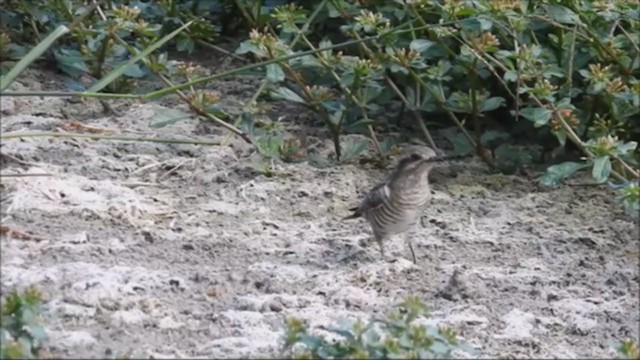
21, 334
518, 82
394, 337
629, 350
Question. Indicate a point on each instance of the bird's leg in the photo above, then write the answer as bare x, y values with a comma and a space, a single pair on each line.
407, 237
381, 244
413, 254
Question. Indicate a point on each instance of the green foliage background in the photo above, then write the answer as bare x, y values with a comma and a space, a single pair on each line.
518, 83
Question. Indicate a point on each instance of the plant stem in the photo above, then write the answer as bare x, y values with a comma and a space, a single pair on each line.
205, 114
475, 118
70, 94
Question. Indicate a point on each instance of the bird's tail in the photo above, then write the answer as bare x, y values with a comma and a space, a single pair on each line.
356, 214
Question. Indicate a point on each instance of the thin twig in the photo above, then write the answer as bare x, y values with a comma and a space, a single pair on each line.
19, 234
174, 169
414, 111
220, 50
205, 114
102, 15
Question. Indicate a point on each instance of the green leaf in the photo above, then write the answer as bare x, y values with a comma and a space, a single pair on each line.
601, 169
71, 62
624, 149
164, 117
510, 76
344, 333
493, 137
5, 336
352, 150
476, 23
25, 346
37, 332
269, 145
370, 93
113, 75
539, 116
485, 24
461, 145
248, 47
555, 174
262, 167
561, 136
563, 14
274, 73
585, 73
185, 44
308, 61
395, 68
509, 157
359, 125
421, 45
491, 104
439, 348
312, 342
32, 56
336, 117
135, 71
348, 78
284, 93
319, 161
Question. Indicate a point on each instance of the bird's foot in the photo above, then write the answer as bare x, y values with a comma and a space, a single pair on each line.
401, 263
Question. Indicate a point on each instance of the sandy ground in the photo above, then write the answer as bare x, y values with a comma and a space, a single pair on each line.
164, 250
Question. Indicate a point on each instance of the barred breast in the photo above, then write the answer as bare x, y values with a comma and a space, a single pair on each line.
398, 213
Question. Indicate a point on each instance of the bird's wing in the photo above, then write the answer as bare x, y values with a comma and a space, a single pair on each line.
375, 197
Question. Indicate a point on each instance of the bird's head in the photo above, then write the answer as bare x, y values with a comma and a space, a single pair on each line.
415, 156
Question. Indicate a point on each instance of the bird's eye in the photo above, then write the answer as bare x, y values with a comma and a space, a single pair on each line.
416, 157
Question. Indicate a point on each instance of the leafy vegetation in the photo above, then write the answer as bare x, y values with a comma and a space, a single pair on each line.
519, 83
394, 337
103, 39
21, 334
629, 350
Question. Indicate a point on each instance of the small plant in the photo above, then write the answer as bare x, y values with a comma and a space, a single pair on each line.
629, 350
21, 334
394, 337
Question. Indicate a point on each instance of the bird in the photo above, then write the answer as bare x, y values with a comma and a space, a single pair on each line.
395, 205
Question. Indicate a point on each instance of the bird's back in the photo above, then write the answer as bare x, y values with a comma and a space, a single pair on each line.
402, 200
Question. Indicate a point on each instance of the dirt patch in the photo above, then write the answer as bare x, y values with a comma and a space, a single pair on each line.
179, 251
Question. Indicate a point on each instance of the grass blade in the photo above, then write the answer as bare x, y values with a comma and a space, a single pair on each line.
113, 75
32, 56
